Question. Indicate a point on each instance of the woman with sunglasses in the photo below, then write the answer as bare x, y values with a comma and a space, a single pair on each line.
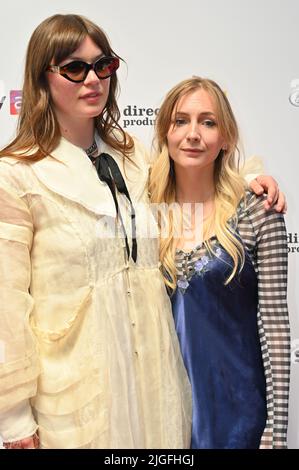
225, 264
91, 358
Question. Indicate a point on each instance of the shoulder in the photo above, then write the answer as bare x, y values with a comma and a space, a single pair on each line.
135, 167
253, 206
13, 173
6, 162
138, 154
252, 213
141, 154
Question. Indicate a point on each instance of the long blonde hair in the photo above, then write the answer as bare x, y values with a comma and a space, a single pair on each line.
38, 130
229, 186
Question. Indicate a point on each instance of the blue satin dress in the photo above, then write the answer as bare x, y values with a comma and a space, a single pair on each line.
218, 335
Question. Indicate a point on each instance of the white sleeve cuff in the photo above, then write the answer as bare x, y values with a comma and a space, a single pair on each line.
17, 422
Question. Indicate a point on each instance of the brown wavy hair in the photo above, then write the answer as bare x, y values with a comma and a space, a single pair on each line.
38, 131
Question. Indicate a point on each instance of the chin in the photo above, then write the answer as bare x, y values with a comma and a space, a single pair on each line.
192, 163
93, 113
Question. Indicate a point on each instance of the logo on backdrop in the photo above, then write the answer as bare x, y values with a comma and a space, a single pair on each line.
293, 242
295, 351
132, 115
294, 94
2, 99
15, 101
2, 93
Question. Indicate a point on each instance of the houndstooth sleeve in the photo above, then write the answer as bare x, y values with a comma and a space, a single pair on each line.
264, 235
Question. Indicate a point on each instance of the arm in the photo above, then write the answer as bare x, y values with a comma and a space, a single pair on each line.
259, 183
19, 361
271, 259
19, 423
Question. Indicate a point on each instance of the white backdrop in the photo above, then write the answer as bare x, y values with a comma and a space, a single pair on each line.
250, 47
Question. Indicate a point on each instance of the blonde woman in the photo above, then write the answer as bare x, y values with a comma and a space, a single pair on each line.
228, 282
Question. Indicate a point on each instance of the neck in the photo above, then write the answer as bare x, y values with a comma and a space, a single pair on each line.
194, 186
79, 133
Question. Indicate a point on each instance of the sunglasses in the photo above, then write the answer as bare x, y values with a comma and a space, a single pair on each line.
77, 70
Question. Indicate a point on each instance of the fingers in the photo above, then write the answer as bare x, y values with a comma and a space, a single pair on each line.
28, 443
272, 196
31, 442
267, 206
270, 186
275, 198
281, 204
256, 187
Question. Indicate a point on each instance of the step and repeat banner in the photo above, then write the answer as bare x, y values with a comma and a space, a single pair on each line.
250, 47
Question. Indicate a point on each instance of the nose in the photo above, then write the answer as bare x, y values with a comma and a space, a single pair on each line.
91, 77
193, 133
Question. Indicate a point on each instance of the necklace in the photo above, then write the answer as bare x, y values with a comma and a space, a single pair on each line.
92, 150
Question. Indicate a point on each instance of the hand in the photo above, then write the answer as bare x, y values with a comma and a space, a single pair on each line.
275, 198
31, 442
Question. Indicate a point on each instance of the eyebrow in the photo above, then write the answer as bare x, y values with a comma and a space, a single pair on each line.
74, 57
204, 113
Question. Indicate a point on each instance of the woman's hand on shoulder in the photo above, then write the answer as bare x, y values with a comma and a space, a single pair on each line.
275, 198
